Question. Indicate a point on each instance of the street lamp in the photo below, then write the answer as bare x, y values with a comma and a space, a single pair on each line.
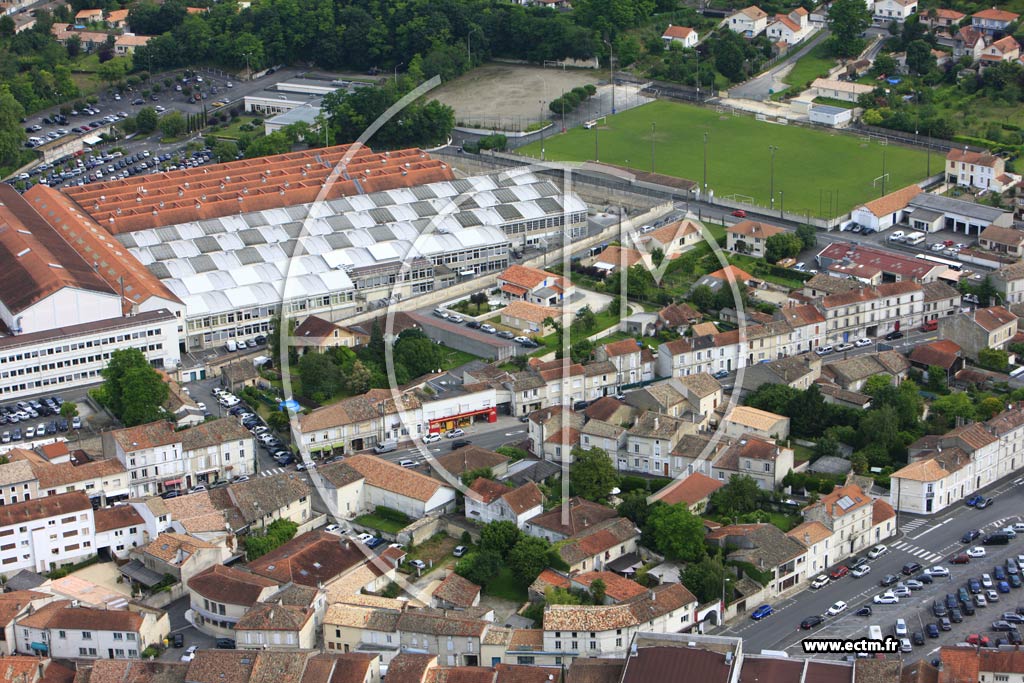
771, 187
611, 70
396, 71
782, 204
248, 70
705, 189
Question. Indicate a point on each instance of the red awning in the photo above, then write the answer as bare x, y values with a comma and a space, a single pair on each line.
172, 482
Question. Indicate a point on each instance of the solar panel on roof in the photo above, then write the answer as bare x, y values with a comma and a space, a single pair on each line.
293, 230
338, 240
845, 503
423, 209
508, 212
211, 227
423, 192
545, 189
467, 202
202, 264
168, 234
252, 236
160, 270
506, 181
467, 219
381, 216
297, 212
126, 239
381, 199
207, 244
506, 196
339, 222
381, 233
288, 247
162, 252
549, 205
460, 185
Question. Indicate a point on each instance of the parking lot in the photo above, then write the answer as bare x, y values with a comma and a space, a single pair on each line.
34, 420
917, 609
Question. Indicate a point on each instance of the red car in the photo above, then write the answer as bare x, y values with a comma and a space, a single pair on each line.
839, 572
930, 326
739, 213
962, 558
976, 639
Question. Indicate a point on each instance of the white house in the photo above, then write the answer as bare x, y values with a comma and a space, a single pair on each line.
684, 35
749, 22
789, 28
977, 170
885, 11
495, 501
46, 533
884, 212
65, 631
399, 488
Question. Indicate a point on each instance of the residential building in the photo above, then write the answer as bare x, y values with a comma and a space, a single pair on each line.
454, 637
633, 362
399, 488
683, 35
873, 311
1009, 282
126, 43
1003, 240
835, 89
1006, 49
360, 628
529, 318
17, 480
942, 18
178, 555
993, 20
534, 286
672, 239
581, 515
117, 19
789, 28
119, 529
798, 372
755, 457
943, 354
472, 459
970, 42
46, 533
219, 596
317, 334
455, 592
89, 16
608, 630
975, 170
749, 22
854, 372
290, 619
940, 300
817, 539
882, 213
495, 501
979, 329
750, 237
743, 420
63, 630
359, 423
263, 500
677, 317
887, 11
768, 549
847, 513
598, 546
314, 559
216, 450
694, 491
650, 440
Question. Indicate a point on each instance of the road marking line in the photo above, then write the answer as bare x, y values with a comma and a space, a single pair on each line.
931, 529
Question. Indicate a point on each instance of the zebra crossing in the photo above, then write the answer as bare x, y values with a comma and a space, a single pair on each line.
913, 524
272, 471
917, 552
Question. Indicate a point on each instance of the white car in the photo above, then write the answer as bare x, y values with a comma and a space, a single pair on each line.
364, 537
488, 329
992, 595
843, 347
886, 599
837, 608
823, 350
976, 551
190, 653
454, 433
521, 340
201, 405
877, 551
938, 570
901, 628
980, 600
432, 437
860, 571
986, 581
332, 529
457, 319
864, 341
938, 246
820, 581
1019, 527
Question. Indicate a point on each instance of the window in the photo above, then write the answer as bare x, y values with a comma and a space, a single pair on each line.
62, 634
118, 636
86, 635
130, 636
558, 645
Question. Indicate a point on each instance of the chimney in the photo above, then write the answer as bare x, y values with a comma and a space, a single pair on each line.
654, 597
807, 538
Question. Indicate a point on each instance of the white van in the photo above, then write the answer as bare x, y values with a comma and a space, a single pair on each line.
385, 447
231, 345
897, 236
915, 238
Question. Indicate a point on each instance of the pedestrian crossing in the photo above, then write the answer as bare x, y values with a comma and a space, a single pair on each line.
913, 524
272, 471
919, 553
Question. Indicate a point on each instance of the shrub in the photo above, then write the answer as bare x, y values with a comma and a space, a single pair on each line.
391, 514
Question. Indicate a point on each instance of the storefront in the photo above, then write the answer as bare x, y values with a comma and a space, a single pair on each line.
443, 424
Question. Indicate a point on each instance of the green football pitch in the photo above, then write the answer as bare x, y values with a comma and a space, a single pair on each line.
819, 172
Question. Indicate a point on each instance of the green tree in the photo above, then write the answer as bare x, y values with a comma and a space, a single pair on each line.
499, 537
738, 497
593, 475
278, 421
132, 390
173, 124
705, 578
277, 533
634, 507
937, 380
989, 407
920, 59
113, 71
996, 360
586, 319
729, 61
952, 406
478, 299
598, 591
469, 476
826, 446
417, 352
528, 558
225, 150
877, 384
479, 567
848, 19
12, 135
146, 120
69, 410
357, 381
657, 256
321, 378
676, 532
782, 245
703, 297
880, 427
808, 235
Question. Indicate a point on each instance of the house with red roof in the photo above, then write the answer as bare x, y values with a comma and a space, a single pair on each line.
993, 20
789, 28
633, 362
982, 328
683, 35
535, 286
941, 18
1006, 49
694, 492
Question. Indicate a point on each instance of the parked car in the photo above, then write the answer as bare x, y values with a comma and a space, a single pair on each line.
894, 335
887, 598
864, 611
178, 640
454, 433
877, 551
432, 437
811, 622
190, 653
911, 567
862, 342
839, 572
225, 644
837, 608
860, 571
819, 581
459, 551
761, 612
970, 536
739, 213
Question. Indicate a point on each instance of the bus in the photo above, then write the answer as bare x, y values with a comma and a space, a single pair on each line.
955, 265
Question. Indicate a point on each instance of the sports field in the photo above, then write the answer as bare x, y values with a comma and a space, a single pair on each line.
813, 168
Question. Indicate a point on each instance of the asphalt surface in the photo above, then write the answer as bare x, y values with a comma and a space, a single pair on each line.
927, 541
761, 87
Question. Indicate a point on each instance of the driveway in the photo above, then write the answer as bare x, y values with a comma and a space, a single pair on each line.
761, 87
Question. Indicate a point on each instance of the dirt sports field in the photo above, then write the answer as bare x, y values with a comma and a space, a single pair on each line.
507, 95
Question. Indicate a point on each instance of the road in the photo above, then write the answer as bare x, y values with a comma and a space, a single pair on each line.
760, 87
928, 541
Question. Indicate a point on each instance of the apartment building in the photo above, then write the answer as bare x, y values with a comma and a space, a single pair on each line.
64, 630
847, 513
43, 534
976, 170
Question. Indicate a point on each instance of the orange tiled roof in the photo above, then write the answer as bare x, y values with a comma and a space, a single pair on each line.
694, 488
248, 185
894, 201
995, 14
680, 32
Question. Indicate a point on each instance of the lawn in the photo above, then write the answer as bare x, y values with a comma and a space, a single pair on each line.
435, 551
808, 163
233, 130
379, 523
454, 358
505, 585
801, 453
814, 64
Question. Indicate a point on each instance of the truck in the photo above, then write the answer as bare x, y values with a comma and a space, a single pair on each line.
915, 238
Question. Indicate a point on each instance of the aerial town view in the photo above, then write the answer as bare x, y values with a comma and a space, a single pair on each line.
511, 341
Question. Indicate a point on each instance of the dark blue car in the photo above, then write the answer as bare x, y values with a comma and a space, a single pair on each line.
974, 500
761, 612
374, 542
1003, 587
933, 630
